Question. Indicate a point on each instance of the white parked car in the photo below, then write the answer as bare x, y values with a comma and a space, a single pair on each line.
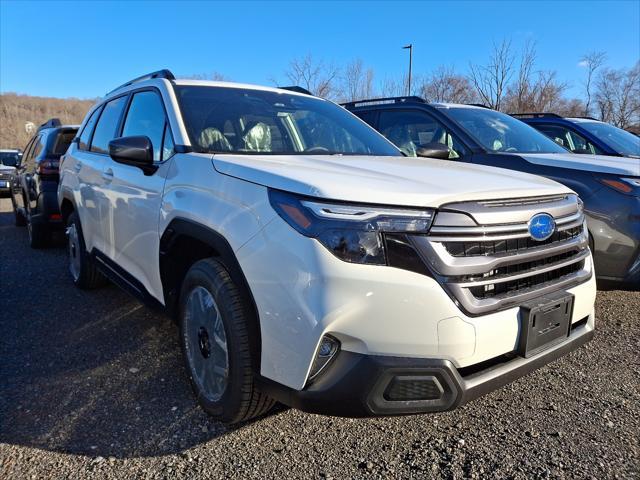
308, 262
9, 158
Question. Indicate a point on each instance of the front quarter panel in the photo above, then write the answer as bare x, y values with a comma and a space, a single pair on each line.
195, 191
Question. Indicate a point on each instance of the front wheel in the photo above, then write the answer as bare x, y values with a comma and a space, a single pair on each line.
215, 344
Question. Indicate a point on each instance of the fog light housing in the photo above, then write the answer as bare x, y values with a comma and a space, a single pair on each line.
326, 351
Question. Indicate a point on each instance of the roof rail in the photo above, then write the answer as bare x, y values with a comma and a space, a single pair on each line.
375, 101
481, 105
297, 89
51, 123
164, 73
536, 115
584, 117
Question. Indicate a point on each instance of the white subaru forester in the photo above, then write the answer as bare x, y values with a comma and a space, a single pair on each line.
308, 262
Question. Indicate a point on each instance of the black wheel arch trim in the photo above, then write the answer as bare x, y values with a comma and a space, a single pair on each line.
179, 227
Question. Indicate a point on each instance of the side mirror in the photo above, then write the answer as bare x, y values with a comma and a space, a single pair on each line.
433, 150
136, 151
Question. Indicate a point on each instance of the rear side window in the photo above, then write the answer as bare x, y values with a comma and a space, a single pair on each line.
107, 124
62, 141
40, 146
83, 144
146, 117
29, 162
369, 117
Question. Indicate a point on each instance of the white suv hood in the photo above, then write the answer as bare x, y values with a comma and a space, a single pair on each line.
384, 180
589, 163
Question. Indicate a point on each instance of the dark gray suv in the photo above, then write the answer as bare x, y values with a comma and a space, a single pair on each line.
609, 186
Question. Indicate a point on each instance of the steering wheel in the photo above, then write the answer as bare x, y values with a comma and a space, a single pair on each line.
511, 149
316, 150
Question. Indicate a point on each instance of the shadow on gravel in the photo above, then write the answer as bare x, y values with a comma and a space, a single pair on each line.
87, 372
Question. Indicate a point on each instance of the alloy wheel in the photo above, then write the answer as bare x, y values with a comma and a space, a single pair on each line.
206, 344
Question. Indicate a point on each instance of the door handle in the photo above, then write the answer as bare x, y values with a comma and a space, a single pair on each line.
107, 174
77, 166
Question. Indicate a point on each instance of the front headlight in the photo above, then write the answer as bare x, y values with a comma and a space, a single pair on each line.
353, 233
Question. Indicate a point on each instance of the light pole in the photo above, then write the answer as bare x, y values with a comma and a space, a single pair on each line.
410, 47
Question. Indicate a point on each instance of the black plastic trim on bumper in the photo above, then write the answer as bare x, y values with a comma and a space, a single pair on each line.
354, 384
43, 219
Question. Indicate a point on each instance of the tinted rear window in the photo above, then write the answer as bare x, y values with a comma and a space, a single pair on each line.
62, 141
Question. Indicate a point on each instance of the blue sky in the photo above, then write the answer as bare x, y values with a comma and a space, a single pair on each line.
65, 49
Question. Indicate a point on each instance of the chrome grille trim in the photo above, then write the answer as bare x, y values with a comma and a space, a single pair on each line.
477, 306
512, 213
578, 257
518, 230
448, 265
483, 279
522, 201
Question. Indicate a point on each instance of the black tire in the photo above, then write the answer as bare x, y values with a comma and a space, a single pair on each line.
21, 221
39, 234
241, 399
84, 273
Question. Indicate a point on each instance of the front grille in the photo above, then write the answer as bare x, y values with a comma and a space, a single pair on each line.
493, 264
518, 268
519, 285
5, 176
492, 247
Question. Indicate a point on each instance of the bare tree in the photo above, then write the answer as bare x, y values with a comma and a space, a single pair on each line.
522, 92
491, 80
316, 76
592, 62
618, 96
357, 81
394, 87
444, 85
572, 107
216, 76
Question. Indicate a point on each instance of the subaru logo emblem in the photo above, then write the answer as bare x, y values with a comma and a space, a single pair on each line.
541, 226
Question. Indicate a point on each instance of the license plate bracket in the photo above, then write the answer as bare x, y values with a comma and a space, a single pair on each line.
544, 322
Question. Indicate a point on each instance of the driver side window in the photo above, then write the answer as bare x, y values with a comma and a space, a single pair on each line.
568, 139
408, 130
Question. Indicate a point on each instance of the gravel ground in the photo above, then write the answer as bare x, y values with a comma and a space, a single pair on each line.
92, 384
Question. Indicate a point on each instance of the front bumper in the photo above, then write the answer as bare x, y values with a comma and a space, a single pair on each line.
358, 385
303, 292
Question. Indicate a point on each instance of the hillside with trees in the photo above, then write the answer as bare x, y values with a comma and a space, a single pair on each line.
16, 110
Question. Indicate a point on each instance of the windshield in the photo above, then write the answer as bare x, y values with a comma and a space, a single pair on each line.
234, 120
621, 141
497, 132
9, 159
